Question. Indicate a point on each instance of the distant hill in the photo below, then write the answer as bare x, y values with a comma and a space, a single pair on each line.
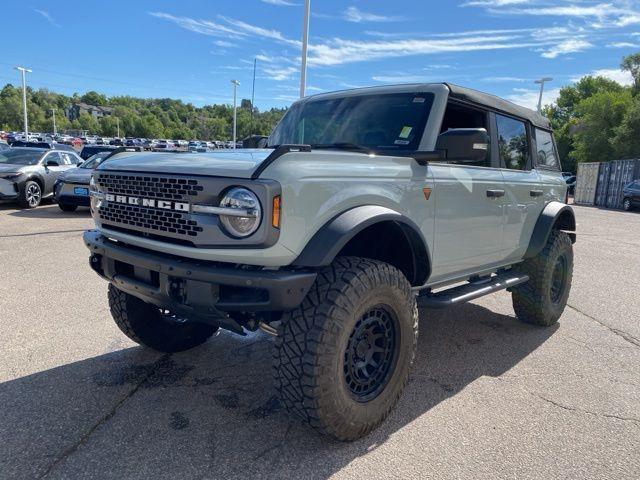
138, 117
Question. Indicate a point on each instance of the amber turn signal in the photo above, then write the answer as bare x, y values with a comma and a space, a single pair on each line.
427, 193
275, 215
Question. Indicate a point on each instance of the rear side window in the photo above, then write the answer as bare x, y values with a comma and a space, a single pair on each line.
512, 142
546, 153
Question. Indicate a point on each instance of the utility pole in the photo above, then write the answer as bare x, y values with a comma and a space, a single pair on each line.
24, 70
541, 82
253, 92
235, 110
118, 126
55, 131
305, 46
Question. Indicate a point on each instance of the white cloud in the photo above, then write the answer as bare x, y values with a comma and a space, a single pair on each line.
280, 3
493, 3
567, 46
504, 79
47, 16
622, 45
224, 44
617, 75
353, 14
529, 97
280, 73
247, 28
400, 78
204, 27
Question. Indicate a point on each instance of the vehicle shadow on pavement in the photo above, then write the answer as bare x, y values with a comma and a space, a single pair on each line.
50, 211
212, 411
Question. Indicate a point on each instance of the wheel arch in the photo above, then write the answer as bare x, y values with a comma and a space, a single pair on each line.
555, 216
369, 231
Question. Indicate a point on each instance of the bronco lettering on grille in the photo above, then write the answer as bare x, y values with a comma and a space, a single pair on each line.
147, 202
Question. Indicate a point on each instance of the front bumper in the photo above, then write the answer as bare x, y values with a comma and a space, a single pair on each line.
195, 288
9, 190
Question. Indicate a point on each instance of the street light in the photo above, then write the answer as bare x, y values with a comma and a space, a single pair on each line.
24, 70
55, 131
541, 82
305, 46
235, 109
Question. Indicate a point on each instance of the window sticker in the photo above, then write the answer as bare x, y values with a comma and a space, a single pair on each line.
406, 131
402, 142
419, 99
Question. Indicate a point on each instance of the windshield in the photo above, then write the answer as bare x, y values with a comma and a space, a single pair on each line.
378, 122
95, 160
20, 157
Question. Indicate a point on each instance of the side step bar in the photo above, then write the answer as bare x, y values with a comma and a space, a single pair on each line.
470, 291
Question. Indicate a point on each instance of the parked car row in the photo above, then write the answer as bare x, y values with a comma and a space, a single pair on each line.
149, 144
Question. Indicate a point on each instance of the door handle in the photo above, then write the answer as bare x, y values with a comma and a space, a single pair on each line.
536, 193
495, 193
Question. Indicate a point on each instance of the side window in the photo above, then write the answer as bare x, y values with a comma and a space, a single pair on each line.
513, 144
53, 157
64, 159
546, 153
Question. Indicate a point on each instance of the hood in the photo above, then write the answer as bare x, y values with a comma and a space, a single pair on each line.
76, 175
10, 167
239, 163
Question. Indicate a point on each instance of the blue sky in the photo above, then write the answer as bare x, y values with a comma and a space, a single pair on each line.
192, 49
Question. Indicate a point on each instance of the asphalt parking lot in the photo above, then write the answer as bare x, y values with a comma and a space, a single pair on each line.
488, 398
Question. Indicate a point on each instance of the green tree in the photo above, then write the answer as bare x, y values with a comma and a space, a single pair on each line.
599, 116
94, 98
631, 64
626, 139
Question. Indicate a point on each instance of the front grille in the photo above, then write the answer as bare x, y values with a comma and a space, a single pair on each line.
150, 218
180, 189
149, 221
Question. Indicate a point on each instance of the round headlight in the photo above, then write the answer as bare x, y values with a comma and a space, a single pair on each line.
241, 199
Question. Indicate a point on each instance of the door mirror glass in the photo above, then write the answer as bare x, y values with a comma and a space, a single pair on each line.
464, 145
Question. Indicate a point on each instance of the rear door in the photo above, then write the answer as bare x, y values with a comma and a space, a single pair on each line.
524, 198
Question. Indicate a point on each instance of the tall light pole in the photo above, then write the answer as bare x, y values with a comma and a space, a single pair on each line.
24, 70
118, 126
541, 82
55, 131
305, 46
235, 109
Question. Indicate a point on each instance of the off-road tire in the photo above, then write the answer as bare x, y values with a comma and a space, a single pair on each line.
310, 359
27, 192
535, 301
65, 207
147, 325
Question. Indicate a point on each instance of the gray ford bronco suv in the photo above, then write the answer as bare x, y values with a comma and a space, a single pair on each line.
366, 204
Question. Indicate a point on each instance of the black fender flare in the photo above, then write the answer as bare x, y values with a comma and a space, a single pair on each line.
327, 242
556, 215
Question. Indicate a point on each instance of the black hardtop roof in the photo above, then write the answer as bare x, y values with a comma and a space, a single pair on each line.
499, 104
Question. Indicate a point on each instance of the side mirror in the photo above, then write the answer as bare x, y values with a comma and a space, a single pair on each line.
464, 145
52, 163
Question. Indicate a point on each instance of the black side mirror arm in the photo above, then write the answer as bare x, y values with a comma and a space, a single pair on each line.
423, 158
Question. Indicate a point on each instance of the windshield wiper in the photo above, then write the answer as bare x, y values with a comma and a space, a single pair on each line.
343, 146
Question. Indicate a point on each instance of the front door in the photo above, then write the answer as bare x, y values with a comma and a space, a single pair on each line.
468, 220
